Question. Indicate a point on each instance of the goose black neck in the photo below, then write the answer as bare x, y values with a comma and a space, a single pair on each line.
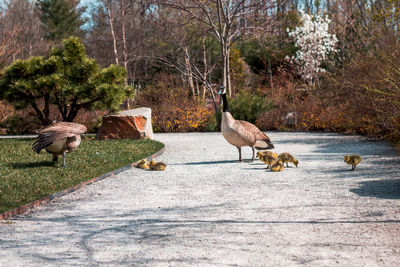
225, 107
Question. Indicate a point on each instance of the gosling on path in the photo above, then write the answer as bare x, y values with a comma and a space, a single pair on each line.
270, 153
286, 158
157, 166
278, 166
352, 160
241, 133
269, 158
143, 164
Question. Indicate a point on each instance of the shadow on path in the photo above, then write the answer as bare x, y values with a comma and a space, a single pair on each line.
386, 189
207, 162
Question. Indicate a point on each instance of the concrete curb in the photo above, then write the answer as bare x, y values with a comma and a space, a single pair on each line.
20, 210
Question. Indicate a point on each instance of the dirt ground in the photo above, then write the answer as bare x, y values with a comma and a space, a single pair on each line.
208, 209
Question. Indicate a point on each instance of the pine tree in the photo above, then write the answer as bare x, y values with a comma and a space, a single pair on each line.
67, 78
61, 18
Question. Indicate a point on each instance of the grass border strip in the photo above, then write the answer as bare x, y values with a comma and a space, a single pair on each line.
22, 209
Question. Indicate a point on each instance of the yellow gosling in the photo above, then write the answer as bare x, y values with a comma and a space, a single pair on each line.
286, 158
267, 153
278, 166
260, 154
143, 164
270, 160
352, 160
267, 159
157, 166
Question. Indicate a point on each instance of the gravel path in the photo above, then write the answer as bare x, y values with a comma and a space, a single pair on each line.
208, 209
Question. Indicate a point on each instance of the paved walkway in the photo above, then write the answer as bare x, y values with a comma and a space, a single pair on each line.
208, 209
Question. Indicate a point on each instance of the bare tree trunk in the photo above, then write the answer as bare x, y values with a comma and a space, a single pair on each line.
189, 73
123, 28
271, 81
205, 67
108, 6
225, 66
123, 9
30, 50
228, 75
134, 68
197, 90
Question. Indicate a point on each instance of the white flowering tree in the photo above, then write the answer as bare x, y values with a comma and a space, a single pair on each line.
314, 43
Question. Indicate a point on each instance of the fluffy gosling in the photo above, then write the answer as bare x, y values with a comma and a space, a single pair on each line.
267, 153
287, 157
261, 156
267, 157
157, 166
269, 160
352, 160
278, 166
143, 164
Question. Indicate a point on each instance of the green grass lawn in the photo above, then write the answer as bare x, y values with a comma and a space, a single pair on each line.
26, 176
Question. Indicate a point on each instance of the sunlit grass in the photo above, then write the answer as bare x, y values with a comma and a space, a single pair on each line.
26, 176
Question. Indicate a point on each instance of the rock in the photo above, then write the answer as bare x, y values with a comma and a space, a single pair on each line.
127, 124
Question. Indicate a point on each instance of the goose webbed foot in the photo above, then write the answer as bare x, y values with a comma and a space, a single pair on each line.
55, 159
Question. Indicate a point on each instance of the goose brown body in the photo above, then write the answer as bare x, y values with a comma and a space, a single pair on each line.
242, 133
59, 139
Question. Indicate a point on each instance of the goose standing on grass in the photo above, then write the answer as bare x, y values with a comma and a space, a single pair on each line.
241, 133
59, 139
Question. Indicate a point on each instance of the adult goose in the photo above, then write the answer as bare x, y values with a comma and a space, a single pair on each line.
59, 139
241, 133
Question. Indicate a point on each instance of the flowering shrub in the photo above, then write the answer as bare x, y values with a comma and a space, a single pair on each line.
314, 43
190, 118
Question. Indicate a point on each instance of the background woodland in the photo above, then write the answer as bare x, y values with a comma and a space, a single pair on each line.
177, 53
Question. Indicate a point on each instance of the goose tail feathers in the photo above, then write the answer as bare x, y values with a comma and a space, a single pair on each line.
263, 144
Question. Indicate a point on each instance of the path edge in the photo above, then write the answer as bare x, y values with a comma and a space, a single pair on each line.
22, 209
